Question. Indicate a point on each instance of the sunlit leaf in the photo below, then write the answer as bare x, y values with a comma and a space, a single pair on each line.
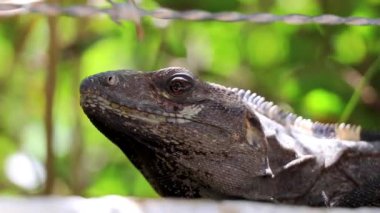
110, 181
142, 188
266, 48
106, 54
6, 54
225, 48
307, 7
350, 47
321, 103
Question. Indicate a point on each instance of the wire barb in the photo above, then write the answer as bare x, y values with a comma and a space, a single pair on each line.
130, 11
127, 11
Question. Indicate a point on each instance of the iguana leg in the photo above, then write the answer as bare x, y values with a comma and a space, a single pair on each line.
366, 195
296, 162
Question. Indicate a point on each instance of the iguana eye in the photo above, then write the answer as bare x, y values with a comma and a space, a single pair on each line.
179, 84
112, 80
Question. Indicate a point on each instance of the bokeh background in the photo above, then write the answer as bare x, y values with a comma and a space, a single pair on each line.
310, 69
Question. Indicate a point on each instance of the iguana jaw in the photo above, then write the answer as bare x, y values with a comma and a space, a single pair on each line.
93, 103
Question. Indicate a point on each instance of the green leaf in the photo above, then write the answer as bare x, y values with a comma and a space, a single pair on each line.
350, 47
320, 103
267, 47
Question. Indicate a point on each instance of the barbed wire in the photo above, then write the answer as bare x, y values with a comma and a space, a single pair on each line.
129, 11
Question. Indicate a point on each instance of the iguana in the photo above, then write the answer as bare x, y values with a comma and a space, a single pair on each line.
195, 139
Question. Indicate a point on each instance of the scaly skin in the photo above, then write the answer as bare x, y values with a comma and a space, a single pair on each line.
195, 139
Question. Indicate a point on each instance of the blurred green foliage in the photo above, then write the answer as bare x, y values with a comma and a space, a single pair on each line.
312, 69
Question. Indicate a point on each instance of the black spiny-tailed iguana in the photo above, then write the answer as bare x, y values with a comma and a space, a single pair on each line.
195, 139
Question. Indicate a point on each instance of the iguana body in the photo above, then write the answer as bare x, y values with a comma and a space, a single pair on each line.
195, 139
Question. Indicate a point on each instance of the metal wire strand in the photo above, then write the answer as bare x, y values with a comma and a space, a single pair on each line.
129, 11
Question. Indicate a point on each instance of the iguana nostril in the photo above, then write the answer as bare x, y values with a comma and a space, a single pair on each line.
86, 85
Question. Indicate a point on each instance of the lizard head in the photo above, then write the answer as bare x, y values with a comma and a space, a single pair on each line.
170, 123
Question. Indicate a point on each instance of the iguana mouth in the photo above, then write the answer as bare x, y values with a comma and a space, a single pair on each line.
92, 101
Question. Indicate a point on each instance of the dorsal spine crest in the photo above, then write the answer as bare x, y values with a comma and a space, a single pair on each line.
340, 131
